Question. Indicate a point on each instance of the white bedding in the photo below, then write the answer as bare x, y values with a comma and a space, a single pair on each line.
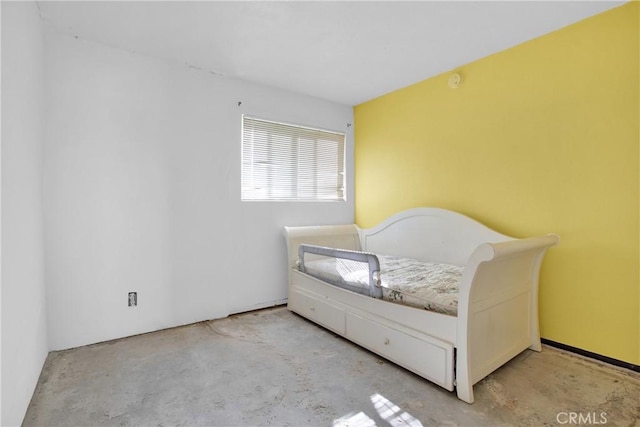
429, 286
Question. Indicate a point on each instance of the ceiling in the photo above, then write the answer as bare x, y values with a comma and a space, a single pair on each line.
344, 51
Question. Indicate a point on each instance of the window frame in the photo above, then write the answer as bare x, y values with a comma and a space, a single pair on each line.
295, 146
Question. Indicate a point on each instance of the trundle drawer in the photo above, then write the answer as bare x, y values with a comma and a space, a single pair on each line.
319, 309
424, 355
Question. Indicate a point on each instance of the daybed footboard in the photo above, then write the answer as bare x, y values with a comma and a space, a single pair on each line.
498, 308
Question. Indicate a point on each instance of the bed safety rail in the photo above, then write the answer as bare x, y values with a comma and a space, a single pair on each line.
375, 289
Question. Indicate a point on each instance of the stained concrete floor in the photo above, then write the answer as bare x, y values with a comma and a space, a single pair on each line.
272, 367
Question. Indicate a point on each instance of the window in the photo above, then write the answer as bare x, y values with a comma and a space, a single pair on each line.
288, 162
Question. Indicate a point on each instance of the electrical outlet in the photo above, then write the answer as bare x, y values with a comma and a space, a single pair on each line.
133, 299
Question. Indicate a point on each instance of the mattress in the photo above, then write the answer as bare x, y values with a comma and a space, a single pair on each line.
423, 285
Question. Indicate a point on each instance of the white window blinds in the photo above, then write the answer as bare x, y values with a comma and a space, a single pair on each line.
288, 162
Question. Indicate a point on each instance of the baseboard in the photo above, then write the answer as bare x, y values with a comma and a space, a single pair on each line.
601, 358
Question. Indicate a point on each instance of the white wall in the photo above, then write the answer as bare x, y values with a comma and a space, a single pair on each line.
24, 329
142, 193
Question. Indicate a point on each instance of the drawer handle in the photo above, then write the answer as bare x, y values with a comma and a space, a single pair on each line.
386, 341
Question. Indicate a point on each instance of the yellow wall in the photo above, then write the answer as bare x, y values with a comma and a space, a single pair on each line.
539, 138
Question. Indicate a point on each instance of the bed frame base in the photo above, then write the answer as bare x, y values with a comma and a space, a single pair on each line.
497, 304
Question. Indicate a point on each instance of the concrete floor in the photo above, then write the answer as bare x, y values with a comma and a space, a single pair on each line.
272, 367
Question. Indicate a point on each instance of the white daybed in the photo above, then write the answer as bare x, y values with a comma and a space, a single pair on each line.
497, 312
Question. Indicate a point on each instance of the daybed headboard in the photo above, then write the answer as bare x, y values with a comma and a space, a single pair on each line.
428, 234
